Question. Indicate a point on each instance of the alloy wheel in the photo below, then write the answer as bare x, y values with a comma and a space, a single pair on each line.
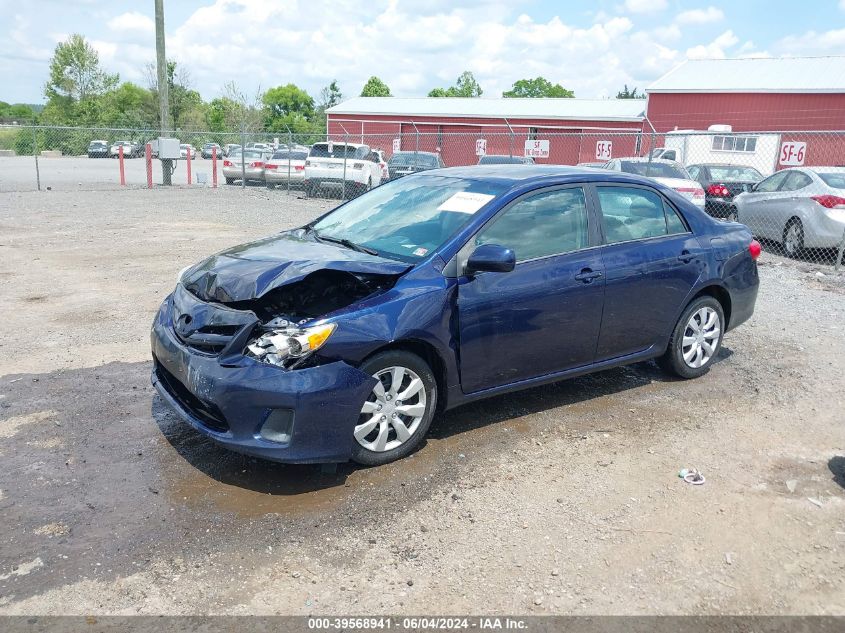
393, 411
701, 336
793, 239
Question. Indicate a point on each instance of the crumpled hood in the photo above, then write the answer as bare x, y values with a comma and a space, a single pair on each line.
250, 270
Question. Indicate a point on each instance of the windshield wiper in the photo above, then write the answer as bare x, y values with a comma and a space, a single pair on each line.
343, 242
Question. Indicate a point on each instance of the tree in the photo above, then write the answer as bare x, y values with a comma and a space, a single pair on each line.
185, 103
75, 72
375, 87
465, 86
128, 105
331, 96
288, 108
539, 87
629, 94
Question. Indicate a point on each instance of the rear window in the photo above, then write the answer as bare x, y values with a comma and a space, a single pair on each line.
653, 170
97, 144
501, 160
338, 150
737, 174
423, 160
292, 155
837, 181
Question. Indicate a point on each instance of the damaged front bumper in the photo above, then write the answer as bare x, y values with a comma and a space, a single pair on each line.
297, 416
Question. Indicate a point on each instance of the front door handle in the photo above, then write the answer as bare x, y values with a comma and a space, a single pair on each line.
686, 257
587, 275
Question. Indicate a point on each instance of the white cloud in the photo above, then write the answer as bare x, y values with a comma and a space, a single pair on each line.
715, 49
646, 6
701, 16
132, 22
842, 5
812, 43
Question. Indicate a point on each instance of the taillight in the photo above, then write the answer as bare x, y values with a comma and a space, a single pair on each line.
227, 163
755, 249
720, 191
298, 167
829, 202
270, 166
256, 163
698, 193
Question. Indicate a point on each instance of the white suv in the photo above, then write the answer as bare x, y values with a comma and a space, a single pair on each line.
331, 164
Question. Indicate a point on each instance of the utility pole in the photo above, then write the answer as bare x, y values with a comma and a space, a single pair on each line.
163, 97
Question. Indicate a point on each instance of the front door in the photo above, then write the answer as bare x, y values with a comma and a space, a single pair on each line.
544, 316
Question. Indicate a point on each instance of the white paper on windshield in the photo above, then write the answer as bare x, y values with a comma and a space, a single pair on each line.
465, 202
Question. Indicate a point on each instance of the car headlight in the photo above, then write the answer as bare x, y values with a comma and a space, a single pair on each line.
283, 347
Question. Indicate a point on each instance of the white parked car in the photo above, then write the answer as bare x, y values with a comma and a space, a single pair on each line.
330, 165
666, 172
130, 149
286, 166
800, 208
185, 148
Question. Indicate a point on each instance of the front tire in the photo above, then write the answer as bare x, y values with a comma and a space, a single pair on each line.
696, 339
396, 415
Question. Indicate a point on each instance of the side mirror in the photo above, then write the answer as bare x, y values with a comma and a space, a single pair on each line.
490, 258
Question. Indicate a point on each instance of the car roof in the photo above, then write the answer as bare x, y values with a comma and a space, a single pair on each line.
721, 165
410, 151
513, 174
646, 159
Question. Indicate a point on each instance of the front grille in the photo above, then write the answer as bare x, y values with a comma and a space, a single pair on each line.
206, 412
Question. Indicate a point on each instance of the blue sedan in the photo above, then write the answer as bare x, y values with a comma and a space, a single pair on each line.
343, 339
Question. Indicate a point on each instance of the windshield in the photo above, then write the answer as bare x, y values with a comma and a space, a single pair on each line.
835, 180
338, 150
735, 173
406, 160
97, 144
407, 219
654, 170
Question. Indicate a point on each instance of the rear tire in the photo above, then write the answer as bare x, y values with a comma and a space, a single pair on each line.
381, 438
271, 186
732, 215
696, 339
230, 181
793, 238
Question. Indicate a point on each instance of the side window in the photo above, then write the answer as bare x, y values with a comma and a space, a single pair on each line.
693, 172
674, 223
796, 180
630, 213
771, 183
544, 224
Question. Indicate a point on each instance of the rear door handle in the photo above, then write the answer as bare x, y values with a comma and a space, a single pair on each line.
686, 257
587, 275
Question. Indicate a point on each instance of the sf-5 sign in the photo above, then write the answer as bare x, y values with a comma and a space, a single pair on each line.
792, 153
604, 150
536, 148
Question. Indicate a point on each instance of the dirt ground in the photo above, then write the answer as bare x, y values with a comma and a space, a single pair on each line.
563, 499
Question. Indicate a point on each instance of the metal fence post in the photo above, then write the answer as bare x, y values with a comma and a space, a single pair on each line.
35, 153
345, 154
243, 154
290, 149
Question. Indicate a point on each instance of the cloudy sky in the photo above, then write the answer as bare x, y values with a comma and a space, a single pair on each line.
592, 47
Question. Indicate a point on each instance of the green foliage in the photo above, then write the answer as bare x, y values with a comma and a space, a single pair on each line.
331, 95
465, 86
128, 105
539, 87
375, 87
19, 112
288, 108
75, 71
630, 94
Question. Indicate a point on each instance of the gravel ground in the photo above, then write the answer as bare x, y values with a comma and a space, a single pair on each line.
561, 499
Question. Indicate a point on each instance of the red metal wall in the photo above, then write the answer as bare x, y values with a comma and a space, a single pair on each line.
747, 112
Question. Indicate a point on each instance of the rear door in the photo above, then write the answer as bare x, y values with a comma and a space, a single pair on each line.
544, 316
755, 207
652, 261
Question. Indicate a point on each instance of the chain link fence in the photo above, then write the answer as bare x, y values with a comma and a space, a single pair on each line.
788, 187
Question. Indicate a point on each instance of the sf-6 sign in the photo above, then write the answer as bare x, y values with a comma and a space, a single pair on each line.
792, 153
604, 150
537, 149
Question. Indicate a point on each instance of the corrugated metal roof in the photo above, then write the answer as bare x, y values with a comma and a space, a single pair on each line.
564, 109
775, 74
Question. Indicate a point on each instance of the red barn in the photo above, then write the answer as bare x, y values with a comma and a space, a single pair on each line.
804, 96
452, 126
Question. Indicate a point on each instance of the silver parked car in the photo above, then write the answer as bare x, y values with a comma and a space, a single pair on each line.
253, 165
285, 166
800, 208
